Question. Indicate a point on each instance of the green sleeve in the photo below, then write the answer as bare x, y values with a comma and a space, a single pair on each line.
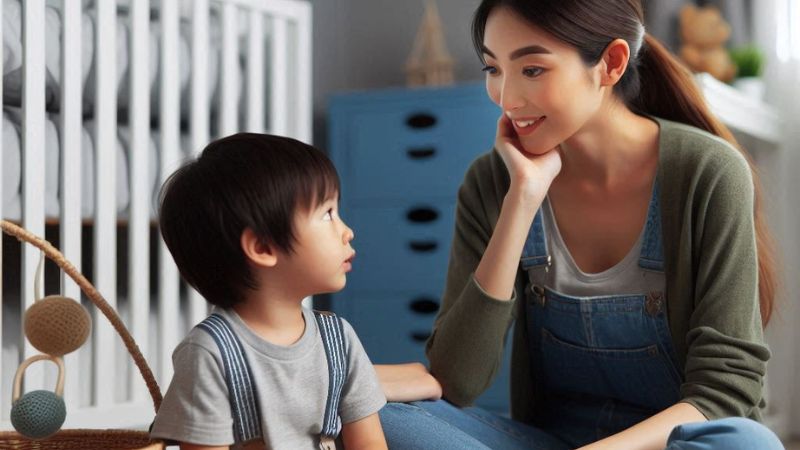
465, 349
727, 356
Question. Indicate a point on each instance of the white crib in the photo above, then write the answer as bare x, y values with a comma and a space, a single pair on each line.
90, 126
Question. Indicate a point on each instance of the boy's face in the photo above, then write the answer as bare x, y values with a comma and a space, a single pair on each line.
322, 254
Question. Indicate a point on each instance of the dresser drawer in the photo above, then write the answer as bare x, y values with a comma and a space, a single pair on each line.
392, 328
415, 143
396, 164
402, 246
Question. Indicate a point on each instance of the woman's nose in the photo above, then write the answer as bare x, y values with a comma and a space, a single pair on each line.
511, 96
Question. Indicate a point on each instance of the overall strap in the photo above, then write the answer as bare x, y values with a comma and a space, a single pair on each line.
332, 333
652, 254
238, 377
534, 252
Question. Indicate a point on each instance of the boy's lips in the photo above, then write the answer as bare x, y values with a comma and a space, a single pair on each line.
348, 263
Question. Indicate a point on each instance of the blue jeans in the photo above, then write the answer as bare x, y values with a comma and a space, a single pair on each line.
440, 426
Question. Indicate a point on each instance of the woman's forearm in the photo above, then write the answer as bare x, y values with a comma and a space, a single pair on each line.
650, 434
407, 382
497, 269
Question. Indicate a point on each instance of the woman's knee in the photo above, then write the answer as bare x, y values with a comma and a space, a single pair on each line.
732, 433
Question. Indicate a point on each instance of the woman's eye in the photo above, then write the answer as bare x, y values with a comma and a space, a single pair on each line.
491, 70
532, 72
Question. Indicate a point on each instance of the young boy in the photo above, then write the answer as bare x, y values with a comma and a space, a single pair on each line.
253, 225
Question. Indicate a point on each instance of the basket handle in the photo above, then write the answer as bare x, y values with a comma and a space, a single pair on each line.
93, 295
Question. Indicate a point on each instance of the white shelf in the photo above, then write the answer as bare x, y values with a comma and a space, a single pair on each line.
741, 113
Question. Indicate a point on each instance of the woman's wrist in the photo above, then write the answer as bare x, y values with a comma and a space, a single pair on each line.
523, 199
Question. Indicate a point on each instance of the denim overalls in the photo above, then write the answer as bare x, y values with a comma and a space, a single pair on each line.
602, 363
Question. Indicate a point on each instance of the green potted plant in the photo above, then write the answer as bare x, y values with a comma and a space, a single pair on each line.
750, 63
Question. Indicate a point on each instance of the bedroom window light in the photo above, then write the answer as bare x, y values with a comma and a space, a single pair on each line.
788, 35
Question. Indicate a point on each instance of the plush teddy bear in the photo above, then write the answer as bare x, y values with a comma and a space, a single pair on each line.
704, 32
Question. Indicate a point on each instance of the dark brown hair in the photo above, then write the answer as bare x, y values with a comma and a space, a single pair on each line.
246, 180
654, 83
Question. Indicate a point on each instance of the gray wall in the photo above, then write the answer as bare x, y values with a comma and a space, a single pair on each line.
363, 44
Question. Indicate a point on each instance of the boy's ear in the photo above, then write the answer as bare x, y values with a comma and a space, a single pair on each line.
614, 62
256, 250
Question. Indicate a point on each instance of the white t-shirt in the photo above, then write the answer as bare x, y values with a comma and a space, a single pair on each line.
291, 386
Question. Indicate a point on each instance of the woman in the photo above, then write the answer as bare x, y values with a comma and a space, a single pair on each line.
645, 274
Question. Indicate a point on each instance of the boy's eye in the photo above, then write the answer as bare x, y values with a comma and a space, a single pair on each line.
491, 70
328, 214
532, 72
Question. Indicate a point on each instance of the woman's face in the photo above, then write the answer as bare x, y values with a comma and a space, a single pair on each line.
540, 83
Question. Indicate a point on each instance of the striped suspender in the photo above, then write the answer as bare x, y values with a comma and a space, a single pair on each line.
241, 388
330, 328
241, 391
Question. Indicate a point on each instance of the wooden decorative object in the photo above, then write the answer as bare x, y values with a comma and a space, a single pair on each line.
429, 64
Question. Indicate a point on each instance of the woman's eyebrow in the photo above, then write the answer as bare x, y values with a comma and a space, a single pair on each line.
520, 52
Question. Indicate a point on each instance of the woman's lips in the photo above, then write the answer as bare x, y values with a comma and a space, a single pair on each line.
524, 127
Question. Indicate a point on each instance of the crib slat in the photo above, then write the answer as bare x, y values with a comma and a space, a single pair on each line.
275, 8
33, 178
139, 226
70, 183
169, 301
200, 107
230, 71
105, 221
255, 73
304, 71
279, 75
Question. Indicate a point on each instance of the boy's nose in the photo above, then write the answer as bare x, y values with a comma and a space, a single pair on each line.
349, 235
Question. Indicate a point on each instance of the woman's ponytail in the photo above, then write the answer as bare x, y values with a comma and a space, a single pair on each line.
659, 72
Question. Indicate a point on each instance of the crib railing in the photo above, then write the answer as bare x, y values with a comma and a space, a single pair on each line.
101, 390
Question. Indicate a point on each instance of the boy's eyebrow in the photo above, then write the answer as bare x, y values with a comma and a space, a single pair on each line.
520, 52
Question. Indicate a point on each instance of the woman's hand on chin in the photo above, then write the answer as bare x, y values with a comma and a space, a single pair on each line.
407, 382
531, 175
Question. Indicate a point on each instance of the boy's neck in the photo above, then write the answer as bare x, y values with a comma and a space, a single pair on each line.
277, 320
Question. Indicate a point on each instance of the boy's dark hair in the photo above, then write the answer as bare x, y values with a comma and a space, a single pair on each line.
246, 180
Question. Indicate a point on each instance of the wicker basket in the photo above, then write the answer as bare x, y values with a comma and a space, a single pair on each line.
81, 439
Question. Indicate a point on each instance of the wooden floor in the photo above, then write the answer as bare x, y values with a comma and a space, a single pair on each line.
794, 445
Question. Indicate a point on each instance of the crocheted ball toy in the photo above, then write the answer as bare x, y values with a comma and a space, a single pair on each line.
38, 414
57, 325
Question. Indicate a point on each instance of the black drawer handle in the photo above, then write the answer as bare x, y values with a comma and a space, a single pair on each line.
420, 336
423, 246
421, 152
422, 215
424, 305
421, 121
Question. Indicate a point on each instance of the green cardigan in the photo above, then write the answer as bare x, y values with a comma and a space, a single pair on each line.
711, 275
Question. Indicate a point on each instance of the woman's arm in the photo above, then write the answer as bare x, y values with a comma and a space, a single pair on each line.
496, 205
407, 382
650, 434
188, 446
531, 177
364, 434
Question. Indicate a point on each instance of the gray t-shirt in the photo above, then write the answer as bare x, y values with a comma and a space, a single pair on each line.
291, 383
626, 277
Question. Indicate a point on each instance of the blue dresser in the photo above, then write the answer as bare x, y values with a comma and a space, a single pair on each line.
401, 155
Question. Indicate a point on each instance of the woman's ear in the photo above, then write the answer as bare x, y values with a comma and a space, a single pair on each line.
614, 62
258, 252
